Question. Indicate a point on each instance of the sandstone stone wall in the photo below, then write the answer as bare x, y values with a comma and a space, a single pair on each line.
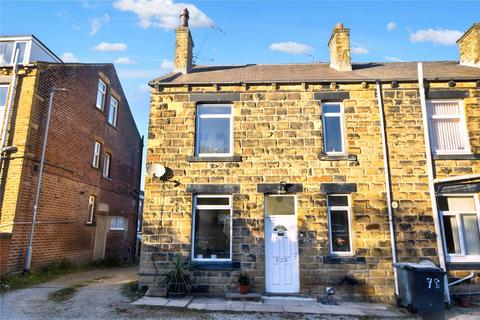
278, 134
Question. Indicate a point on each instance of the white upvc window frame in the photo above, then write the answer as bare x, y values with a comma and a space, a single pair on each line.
212, 207
268, 214
97, 149
459, 257
113, 106
213, 116
349, 211
26, 54
341, 116
3, 106
463, 127
107, 161
91, 208
116, 227
103, 93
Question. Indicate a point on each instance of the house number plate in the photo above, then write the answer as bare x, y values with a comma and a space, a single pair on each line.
281, 259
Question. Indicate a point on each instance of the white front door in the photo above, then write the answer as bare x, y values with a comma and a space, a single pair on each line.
281, 245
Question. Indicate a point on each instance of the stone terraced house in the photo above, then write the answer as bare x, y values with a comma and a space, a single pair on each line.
307, 176
90, 184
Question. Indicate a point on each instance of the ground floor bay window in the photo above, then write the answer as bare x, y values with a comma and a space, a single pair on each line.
460, 217
212, 228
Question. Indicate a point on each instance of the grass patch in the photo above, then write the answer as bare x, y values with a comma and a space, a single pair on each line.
52, 271
66, 293
131, 290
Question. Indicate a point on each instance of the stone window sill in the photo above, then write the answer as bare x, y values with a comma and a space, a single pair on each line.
346, 157
463, 265
343, 260
220, 265
456, 156
234, 158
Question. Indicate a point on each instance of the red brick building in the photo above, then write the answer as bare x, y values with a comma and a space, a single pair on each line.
91, 180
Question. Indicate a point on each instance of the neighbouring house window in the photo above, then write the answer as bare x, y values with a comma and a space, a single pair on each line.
106, 165
101, 92
212, 227
339, 225
214, 136
3, 104
113, 112
91, 209
460, 216
118, 223
7, 52
333, 132
447, 127
96, 154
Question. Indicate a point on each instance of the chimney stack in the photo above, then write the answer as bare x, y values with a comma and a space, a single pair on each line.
183, 45
469, 47
339, 45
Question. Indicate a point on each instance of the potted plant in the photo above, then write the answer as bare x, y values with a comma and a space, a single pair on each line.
177, 279
243, 283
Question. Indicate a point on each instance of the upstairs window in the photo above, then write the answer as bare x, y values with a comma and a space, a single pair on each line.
3, 104
339, 225
112, 113
333, 132
460, 216
91, 209
96, 154
212, 227
106, 165
7, 52
101, 92
214, 136
447, 127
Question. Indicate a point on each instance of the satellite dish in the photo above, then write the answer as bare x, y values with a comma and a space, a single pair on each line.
155, 170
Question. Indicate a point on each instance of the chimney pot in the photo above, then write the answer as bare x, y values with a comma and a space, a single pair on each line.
184, 16
339, 26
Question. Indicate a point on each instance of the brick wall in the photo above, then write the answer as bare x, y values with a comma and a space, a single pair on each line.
69, 178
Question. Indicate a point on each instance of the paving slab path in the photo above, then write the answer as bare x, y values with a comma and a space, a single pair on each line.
101, 298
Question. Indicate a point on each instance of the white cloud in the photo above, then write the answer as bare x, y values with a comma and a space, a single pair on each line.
292, 47
60, 14
97, 23
439, 36
167, 65
105, 46
395, 59
360, 50
163, 14
391, 26
68, 57
124, 60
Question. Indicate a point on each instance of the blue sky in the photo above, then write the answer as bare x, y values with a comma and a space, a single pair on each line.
138, 35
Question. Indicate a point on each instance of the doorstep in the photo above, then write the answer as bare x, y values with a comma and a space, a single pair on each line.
287, 305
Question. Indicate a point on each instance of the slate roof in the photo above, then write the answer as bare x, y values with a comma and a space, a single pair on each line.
319, 72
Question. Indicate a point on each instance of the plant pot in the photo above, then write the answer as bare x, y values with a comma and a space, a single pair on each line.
177, 291
244, 288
